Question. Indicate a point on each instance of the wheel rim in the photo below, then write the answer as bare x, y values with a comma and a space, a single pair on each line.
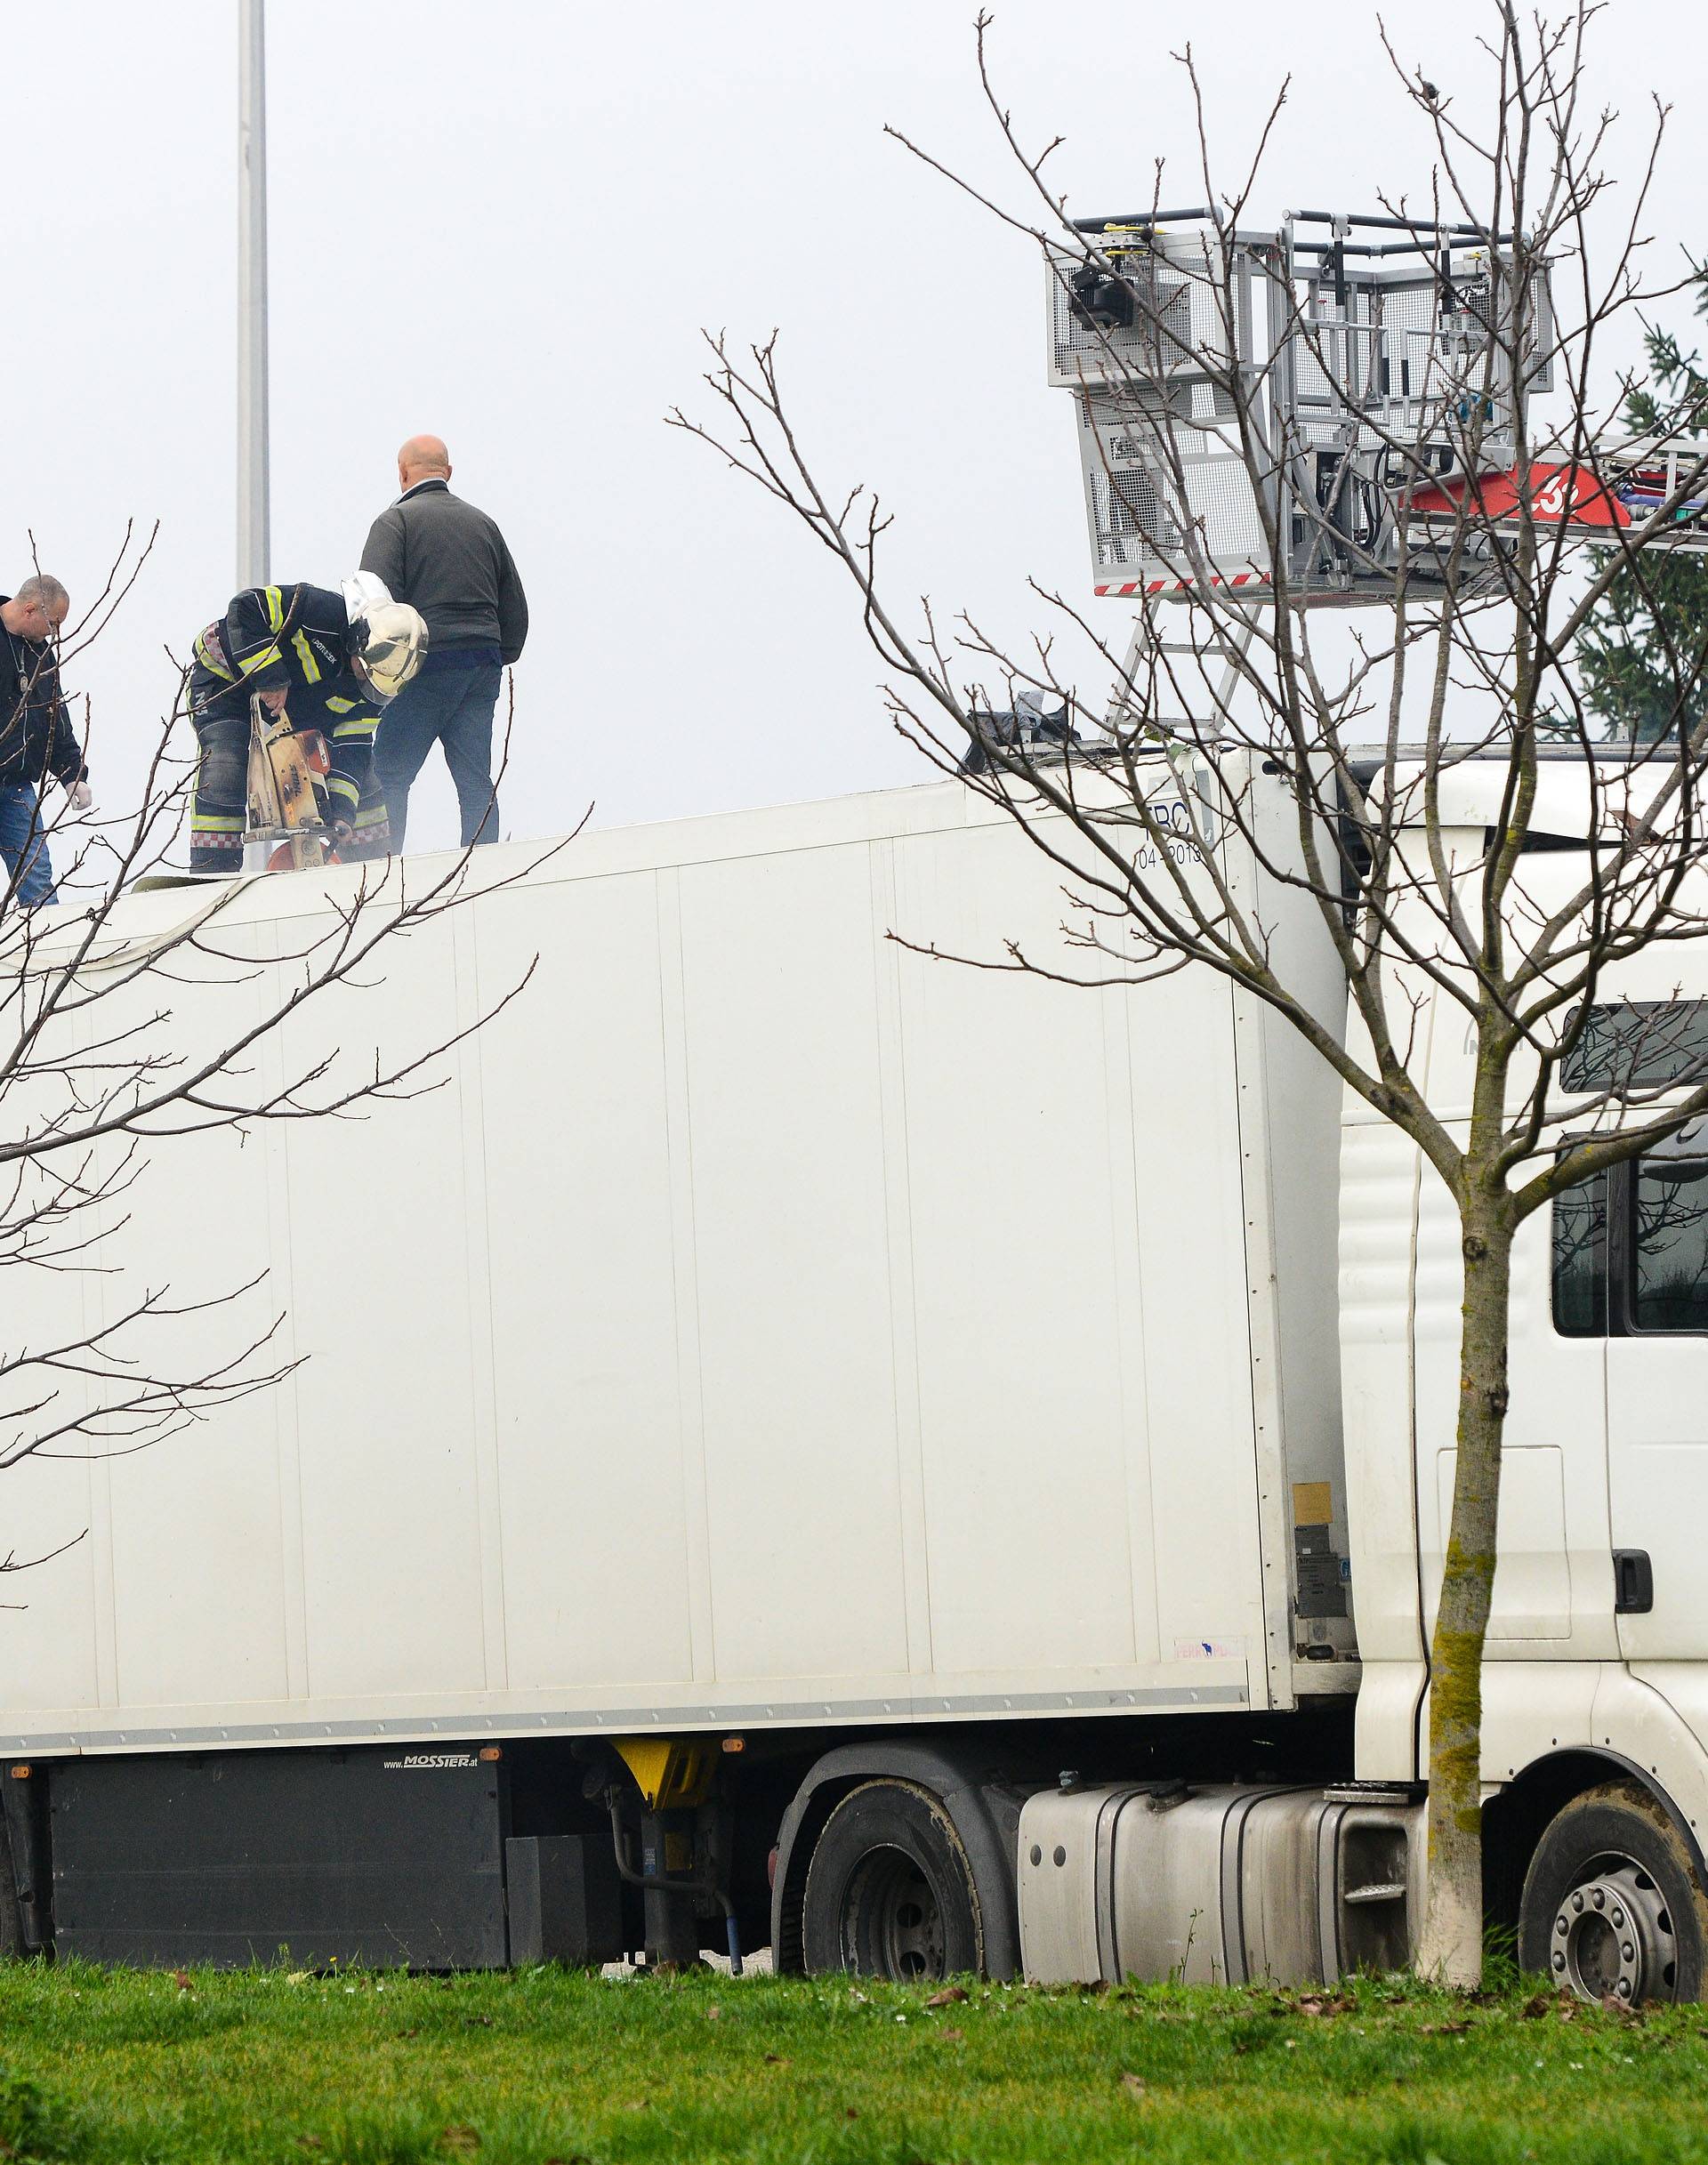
1613, 1938
892, 1922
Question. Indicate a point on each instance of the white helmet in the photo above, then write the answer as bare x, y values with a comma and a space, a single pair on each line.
388, 644
361, 591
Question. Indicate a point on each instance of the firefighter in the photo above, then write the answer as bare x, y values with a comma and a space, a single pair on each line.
332, 658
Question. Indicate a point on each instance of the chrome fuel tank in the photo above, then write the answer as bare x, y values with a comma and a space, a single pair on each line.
1222, 1884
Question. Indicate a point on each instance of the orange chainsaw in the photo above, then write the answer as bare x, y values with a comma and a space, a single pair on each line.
288, 797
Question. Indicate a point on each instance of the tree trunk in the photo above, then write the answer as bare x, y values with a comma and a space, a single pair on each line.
1452, 1946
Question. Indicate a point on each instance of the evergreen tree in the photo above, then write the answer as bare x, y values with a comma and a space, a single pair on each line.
1643, 657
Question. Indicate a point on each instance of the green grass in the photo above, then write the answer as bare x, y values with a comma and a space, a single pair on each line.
540, 2064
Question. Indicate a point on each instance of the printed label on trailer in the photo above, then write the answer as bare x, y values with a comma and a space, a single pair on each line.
414, 1761
1181, 832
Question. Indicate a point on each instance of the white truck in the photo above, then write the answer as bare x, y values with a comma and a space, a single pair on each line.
801, 1443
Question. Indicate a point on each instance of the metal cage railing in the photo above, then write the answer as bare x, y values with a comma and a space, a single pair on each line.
1263, 404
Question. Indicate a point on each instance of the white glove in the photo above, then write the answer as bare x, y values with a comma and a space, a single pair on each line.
81, 795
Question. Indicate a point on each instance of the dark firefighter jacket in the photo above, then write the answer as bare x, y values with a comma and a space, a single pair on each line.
291, 638
35, 734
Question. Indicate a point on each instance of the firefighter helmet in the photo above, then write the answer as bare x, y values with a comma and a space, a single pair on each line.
387, 643
361, 590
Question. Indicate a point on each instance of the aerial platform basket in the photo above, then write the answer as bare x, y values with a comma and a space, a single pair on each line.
1247, 399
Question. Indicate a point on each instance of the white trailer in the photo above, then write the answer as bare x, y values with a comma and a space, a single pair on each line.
799, 1441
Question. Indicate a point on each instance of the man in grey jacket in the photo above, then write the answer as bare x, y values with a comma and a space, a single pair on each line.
449, 562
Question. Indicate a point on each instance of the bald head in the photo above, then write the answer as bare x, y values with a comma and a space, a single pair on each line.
423, 458
37, 609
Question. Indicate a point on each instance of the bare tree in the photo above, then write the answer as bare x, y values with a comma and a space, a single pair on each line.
127, 1027
1339, 411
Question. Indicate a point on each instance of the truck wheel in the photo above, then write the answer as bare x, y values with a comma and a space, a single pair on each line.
1612, 1907
890, 1890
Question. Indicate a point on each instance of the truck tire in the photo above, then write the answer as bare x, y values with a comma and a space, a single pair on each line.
1613, 1907
890, 1890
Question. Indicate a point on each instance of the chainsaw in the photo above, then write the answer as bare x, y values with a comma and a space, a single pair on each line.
288, 803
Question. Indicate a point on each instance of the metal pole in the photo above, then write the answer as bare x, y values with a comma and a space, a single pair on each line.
253, 509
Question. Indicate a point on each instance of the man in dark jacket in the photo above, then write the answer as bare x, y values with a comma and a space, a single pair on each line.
449, 562
36, 739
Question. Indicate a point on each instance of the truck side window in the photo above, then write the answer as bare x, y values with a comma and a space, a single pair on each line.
1670, 1245
1639, 1044
1581, 1260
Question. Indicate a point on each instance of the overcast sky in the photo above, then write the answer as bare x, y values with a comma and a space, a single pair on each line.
506, 223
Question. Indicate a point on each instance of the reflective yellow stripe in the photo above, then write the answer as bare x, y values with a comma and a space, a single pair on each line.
341, 785
363, 725
339, 706
264, 660
275, 602
305, 655
215, 822
214, 668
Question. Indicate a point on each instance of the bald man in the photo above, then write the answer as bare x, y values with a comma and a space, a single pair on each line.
449, 562
36, 739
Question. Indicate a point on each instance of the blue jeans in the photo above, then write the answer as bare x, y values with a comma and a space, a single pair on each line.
449, 703
22, 838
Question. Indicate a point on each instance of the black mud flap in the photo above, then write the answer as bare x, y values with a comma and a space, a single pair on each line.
387, 1856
